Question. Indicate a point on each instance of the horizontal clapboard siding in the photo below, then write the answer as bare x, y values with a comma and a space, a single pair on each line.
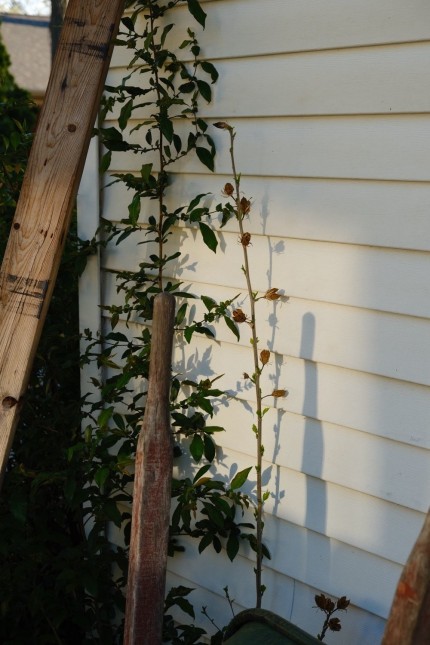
358, 627
391, 281
332, 108
237, 28
361, 401
367, 80
370, 213
349, 147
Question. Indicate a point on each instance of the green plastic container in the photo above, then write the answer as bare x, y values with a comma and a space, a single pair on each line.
262, 627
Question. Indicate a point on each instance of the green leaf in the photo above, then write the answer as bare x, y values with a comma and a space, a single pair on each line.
112, 512
205, 405
181, 314
209, 448
201, 471
232, 326
125, 114
204, 542
104, 417
165, 31
197, 12
101, 476
210, 69
116, 335
240, 478
128, 23
186, 606
209, 303
166, 127
187, 88
134, 209
232, 545
194, 202
145, 172
106, 161
215, 515
205, 90
212, 429
197, 447
188, 333
206, 157
209, 237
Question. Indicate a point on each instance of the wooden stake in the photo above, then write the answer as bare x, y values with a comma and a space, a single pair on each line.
409, 619
42, 217
152, 491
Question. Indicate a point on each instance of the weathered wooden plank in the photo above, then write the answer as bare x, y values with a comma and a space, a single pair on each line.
368, 80
409, 620
152, 491
41, 220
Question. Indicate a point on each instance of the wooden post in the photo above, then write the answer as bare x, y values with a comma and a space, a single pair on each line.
42, 217
409, 619
152, 491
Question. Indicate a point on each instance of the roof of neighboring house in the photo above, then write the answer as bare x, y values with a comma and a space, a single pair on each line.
28, 42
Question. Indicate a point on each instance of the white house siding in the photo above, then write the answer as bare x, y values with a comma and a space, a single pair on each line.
331, 104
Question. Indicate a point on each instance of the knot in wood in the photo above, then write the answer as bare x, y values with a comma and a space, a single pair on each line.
9, 402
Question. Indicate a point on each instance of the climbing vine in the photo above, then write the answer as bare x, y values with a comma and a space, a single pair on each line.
57, 538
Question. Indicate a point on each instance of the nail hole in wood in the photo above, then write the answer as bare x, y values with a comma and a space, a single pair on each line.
71, 127
16, 226
9, 402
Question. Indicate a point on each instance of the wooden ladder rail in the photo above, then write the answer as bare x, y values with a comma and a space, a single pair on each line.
45, 204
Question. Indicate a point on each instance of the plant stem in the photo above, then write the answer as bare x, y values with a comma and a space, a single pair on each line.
256, 380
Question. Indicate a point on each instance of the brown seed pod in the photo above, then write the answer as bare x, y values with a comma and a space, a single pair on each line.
334, 625
245, 206
278, 394
228, 190
272, 294
343, 603
245, 239
264, 356
239, 316
222, 125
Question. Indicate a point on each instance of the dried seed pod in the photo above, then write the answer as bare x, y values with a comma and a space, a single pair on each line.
272, 294
334, 624
228, 190
239, 316
245, 239
278, 394
343, 603
245, 206
222, 125
264, 356
320, 601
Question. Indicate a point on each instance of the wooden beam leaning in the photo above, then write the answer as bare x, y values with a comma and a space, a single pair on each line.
42, 216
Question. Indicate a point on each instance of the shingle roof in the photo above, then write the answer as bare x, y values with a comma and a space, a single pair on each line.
28, 42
